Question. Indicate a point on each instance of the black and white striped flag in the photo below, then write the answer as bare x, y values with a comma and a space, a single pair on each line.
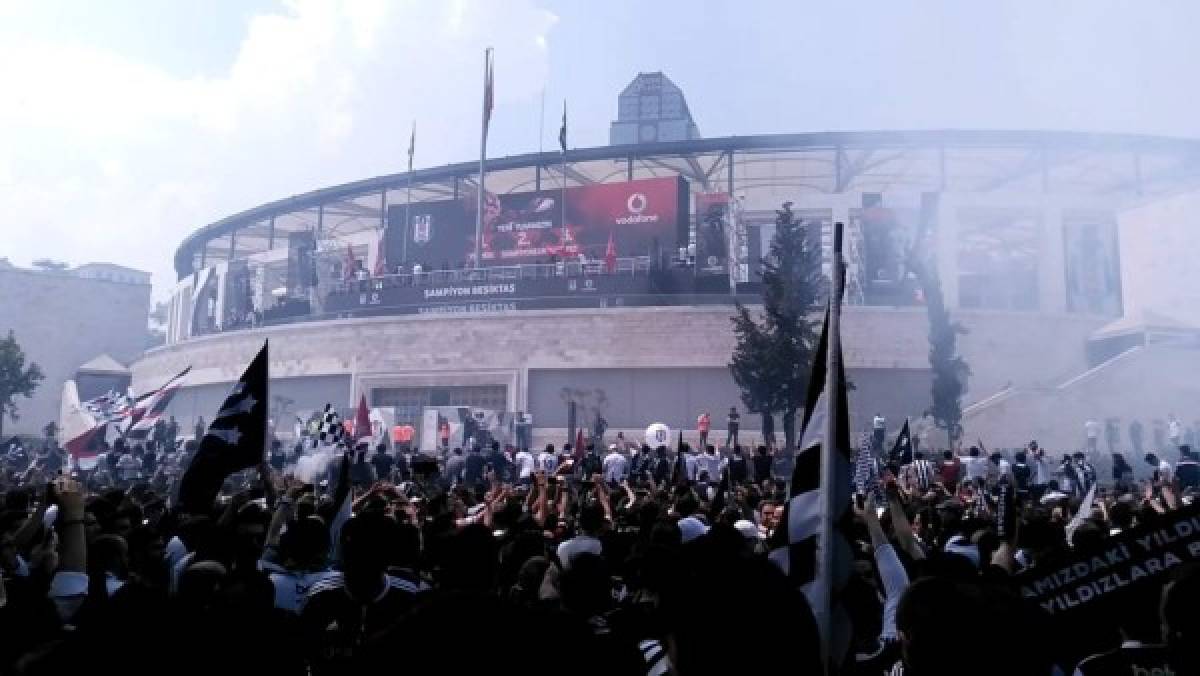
796, 550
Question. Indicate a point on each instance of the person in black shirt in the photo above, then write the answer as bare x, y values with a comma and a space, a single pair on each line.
340, 612
762, 465
739, 469
1188, 470
362, 474
473, 470
382, 460
1022, 472
591, 463
278, 455
732, 422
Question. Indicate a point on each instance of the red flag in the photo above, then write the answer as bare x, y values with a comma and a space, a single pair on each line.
579, 446
348, 272
380, 258
610, 254
362, 419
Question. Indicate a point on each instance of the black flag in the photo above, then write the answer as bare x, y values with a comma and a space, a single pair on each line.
902, 452
236, 439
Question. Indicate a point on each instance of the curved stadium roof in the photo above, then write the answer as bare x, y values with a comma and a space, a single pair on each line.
768, 169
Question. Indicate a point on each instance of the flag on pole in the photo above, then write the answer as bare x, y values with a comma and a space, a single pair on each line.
488, 83
795, 550
343, 497
580, 449
150, 407
610, 254
348, 271
330, 430
380, 256
77, 427
412, 145
362, 419
562, 131
902, 450
235, 440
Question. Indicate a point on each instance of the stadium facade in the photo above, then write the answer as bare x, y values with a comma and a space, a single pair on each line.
610, 274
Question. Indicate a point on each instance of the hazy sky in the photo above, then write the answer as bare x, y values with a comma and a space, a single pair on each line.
126, 124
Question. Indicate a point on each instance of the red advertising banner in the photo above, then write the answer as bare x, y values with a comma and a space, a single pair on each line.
641, 217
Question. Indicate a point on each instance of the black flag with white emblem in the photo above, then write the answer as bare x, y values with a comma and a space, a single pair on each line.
235, 440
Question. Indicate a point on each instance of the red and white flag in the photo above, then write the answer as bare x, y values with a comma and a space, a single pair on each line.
380, 257
151, 406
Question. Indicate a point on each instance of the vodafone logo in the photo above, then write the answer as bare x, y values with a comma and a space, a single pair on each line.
636, 204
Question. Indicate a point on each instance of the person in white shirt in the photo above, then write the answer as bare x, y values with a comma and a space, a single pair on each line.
524, 462
547, 461
591, 521
1042, 471
1174, 430
878, 432
616, 466
1091, 429
975, 466
710, 462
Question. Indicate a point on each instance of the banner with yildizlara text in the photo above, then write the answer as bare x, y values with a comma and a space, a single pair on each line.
1136, 562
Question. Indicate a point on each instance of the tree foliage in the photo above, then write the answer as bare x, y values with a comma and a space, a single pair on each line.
950, 370
16, 379
773, 356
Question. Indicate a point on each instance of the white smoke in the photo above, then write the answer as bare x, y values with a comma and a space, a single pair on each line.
311, 468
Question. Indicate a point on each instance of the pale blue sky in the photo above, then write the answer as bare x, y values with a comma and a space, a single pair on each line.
129, 123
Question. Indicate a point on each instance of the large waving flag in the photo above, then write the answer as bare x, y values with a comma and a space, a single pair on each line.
811, 506
79, 428
236, 439
150, 407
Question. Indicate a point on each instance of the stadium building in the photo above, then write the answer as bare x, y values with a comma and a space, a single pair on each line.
610, 275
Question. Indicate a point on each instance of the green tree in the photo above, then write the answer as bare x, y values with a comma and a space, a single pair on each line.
773, 356
950, 370
16, 379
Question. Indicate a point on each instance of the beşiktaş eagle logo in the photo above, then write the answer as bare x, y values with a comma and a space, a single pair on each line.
636, 204
422, 225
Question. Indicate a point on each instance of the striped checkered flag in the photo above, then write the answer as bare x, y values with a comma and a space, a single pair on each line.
330, 431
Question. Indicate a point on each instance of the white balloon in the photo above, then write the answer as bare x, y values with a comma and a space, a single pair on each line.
658, 434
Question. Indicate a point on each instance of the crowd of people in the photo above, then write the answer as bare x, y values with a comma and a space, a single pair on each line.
617, 560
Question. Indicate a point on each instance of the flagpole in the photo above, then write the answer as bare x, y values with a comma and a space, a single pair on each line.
562, 197
267, 403
408, 198
487, 74
823, 596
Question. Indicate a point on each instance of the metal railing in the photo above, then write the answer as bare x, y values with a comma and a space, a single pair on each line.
502, 273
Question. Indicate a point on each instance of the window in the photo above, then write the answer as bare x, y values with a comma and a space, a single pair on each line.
410, 401
998, 252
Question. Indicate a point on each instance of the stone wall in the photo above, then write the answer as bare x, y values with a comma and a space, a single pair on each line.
1023, 349
62, 321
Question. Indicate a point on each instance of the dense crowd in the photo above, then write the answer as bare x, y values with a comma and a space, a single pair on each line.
617, 559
